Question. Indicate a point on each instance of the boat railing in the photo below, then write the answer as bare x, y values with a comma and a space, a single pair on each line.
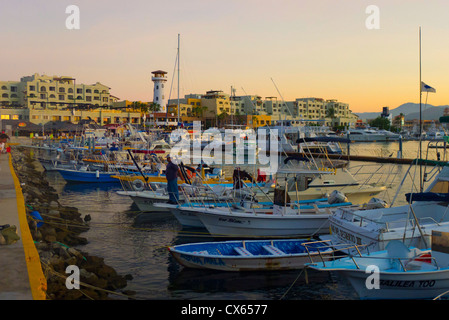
204, 195
337, 250
376, 176
363, 220
401, 262
355, 254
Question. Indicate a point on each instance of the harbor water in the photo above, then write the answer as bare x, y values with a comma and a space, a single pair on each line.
132, 243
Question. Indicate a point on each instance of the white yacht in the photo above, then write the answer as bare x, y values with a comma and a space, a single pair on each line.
370, 135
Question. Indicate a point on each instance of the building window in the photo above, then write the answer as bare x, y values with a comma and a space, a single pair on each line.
13, 89
4, 88
43, 89
61, 97
79, 90
88, 91
61, 89
5, 95
52, 88
52, 96
70, 90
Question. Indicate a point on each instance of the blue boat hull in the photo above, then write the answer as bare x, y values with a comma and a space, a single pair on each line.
252, 255
87, 176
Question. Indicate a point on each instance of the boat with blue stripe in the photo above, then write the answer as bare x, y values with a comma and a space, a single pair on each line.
251, 255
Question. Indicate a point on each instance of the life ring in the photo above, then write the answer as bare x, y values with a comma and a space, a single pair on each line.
138, 185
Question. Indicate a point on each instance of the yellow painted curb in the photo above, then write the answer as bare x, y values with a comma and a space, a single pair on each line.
38, 282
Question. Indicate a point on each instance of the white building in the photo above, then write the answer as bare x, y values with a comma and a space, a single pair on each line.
159, 80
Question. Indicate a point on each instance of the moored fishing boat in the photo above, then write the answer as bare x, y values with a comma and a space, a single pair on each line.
188, 213
86, 175
400, 272
251, 255
411, 223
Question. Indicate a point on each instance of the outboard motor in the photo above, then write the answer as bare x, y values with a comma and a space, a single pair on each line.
337, 197
376, 203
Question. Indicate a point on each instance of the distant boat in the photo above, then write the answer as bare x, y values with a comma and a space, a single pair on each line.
370, 135
251, 255
322, 144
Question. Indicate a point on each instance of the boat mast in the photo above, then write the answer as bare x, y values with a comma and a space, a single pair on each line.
178, 78
420, 115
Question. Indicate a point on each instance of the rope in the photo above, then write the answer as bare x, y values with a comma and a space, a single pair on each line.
291, 286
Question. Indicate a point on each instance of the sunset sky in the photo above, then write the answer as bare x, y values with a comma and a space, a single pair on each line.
310, 48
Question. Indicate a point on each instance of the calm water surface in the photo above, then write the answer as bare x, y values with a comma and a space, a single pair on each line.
140, 249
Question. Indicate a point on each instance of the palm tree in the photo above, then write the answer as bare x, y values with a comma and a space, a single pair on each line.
331, 113
222, 116
154, 107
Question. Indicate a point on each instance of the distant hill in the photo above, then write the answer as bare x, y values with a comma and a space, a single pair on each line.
410, 110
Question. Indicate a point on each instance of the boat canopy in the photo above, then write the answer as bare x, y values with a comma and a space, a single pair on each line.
427, 196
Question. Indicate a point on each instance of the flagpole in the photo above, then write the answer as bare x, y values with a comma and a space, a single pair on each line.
420, 114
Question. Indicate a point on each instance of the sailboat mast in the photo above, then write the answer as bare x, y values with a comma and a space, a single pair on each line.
178, 77
420, 115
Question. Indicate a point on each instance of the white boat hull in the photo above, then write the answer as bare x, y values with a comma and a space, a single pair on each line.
263, 225
187, 218
400, 285
145, 201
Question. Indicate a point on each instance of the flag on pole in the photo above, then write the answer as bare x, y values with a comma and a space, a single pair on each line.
427, 88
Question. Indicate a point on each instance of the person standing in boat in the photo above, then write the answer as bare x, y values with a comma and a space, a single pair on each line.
172, 172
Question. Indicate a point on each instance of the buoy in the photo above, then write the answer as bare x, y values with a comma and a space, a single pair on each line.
138, 185
36, 216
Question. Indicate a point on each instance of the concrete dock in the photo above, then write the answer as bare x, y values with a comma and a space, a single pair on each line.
21, 273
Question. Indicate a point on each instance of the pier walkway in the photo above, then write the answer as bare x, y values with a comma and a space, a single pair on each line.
21, 273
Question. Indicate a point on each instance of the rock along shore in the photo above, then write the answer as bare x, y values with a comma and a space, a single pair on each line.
57, 234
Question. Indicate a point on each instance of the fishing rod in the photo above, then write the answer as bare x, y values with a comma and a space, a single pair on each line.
145, 179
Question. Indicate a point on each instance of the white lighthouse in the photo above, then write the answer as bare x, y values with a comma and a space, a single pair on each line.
159, 80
